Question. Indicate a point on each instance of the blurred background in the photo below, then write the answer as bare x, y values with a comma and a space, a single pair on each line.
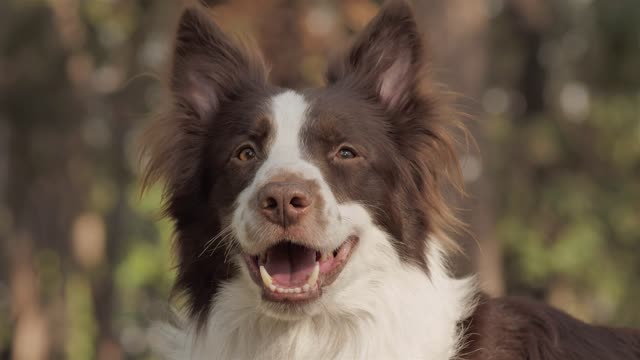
551, 89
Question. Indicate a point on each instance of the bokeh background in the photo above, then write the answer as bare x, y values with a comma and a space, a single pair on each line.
550, 89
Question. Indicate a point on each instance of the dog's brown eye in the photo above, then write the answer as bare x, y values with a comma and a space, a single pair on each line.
246, 154
346, 153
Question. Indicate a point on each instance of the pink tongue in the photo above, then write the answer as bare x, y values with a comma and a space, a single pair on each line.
290, 264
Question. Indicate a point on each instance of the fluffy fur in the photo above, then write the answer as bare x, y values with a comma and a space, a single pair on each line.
393, 312
394, 298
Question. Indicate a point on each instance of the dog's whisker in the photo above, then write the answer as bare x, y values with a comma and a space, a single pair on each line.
222, 242
208, 244
233, 246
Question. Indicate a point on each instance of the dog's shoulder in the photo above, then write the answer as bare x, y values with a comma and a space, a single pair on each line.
512, 328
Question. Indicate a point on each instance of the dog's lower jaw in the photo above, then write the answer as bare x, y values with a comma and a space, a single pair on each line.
393, 310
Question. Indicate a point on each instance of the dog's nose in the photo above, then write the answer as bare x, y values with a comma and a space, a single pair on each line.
284, 203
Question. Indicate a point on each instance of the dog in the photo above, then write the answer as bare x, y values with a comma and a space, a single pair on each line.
312, 224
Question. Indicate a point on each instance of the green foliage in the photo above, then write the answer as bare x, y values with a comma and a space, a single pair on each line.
82, 326
569, 205
146, 264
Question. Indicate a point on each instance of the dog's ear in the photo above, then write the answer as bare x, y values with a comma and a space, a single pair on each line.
208, 67
208, 70
385, 58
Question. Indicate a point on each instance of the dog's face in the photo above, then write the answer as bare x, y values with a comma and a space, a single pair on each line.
300, 196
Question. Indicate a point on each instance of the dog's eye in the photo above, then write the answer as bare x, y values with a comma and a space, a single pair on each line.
346, 153
246, 154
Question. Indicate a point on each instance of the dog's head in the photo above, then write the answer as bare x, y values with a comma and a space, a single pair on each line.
300, 196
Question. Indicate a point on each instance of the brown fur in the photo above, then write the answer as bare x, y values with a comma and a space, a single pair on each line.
218, 89
209, 73
377, 103
421, 127
521, 329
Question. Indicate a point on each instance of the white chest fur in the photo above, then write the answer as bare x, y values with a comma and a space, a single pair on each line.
399, 313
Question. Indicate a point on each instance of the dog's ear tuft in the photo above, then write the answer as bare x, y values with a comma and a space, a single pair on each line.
208, 67
386, 57
208, 71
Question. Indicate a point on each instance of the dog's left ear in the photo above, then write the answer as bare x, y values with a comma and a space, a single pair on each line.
385, 58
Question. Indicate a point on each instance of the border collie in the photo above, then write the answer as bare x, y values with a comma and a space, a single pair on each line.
311, 224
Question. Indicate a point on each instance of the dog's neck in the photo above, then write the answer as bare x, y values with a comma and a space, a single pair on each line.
407, 314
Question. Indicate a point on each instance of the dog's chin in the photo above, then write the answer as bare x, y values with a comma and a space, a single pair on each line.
292, 276
290, 311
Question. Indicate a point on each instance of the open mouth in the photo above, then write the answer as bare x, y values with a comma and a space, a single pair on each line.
291, 272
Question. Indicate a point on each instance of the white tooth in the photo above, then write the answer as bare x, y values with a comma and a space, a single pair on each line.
314, 275
297, 290
272, 287
324, 256
266, 278
280, 290
306, 287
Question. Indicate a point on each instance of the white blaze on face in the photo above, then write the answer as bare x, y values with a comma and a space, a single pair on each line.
288, 116
289, 112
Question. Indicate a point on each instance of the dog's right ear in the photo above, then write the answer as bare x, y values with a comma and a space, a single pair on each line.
386, 58
208, 70
208, 67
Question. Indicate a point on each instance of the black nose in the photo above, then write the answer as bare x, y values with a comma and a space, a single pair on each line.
284, 203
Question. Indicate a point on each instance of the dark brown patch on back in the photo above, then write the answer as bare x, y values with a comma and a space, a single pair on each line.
521, 329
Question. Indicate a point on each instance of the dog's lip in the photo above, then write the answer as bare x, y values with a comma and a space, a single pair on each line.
326, 276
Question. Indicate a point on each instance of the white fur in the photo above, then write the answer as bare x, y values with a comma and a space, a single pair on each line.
379, 307
288, 114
